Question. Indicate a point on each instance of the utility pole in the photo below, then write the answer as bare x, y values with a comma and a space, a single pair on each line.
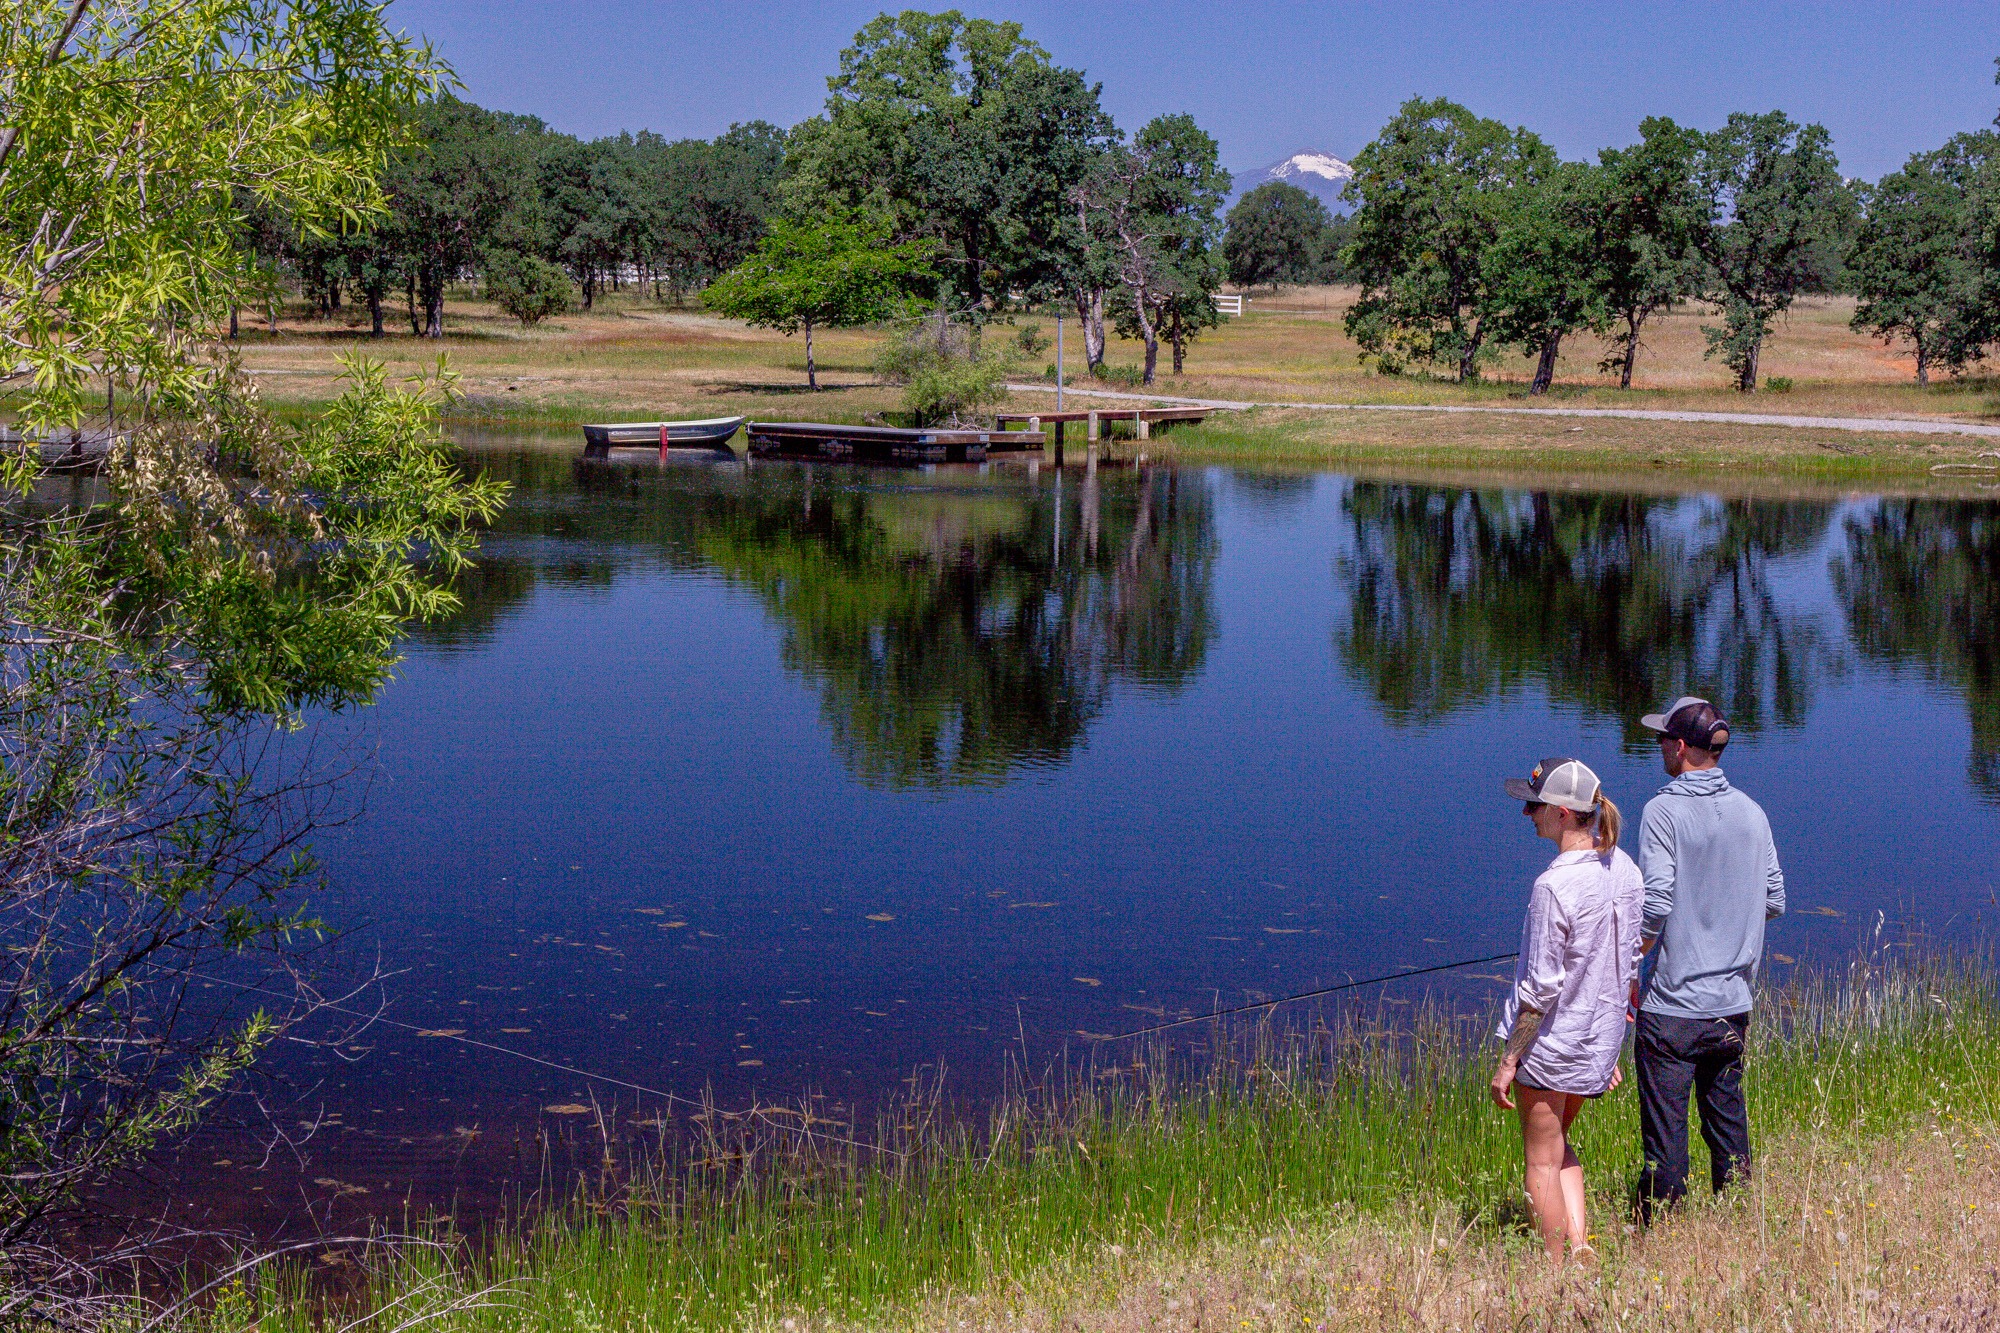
1059, 364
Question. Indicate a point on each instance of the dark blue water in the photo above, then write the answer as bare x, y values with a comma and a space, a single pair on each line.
780, 779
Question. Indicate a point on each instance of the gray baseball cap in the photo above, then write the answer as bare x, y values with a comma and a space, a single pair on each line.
1568, 783
1696, 721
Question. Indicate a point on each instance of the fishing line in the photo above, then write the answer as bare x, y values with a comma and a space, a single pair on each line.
449, 1035
1309, 994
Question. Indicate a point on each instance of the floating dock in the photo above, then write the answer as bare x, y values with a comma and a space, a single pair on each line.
883, 444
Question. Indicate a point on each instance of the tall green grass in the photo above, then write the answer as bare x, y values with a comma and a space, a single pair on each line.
1252, 1128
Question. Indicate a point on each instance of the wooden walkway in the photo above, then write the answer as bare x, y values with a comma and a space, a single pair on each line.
1143, 419
1878, 425
67, 451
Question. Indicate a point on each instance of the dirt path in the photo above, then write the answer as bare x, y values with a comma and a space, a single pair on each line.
1877, 425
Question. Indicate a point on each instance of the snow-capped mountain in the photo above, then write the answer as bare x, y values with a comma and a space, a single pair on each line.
1318, 174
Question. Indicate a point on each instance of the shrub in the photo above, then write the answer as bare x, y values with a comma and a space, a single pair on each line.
1030, 339
527, 288
1129, 376
1778, 383
944, 377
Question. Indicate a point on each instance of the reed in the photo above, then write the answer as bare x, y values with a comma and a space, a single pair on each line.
771, 1214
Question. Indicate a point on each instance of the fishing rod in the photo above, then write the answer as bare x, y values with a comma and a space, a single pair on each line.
1311, 994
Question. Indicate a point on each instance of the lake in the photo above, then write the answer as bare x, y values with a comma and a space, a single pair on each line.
771, 779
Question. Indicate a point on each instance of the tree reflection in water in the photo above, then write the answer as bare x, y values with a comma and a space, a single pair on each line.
956, 633
956, 637
1920, 581
1608, 602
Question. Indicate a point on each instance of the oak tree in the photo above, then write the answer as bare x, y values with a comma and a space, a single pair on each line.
1917, 264
829, 273
1775, 206
1430, 191
1276, 233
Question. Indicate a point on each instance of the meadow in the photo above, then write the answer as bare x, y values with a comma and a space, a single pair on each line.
632, 358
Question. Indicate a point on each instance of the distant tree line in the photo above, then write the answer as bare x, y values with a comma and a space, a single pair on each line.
545, 218
955, 135
1469, 237
1002, 185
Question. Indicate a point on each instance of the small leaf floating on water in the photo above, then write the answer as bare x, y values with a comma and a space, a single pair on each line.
1013, 905
1094, 1036
222, 1162
567, 1108
1783, 958
440, 1032
518, 1032
1088, 981
873, 1014
749, 1064
650, 911
1284, 930
670, 925
881, 916
1823, 911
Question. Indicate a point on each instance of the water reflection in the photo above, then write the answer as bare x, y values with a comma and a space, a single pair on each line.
1609, 602
956, 634
1920, 582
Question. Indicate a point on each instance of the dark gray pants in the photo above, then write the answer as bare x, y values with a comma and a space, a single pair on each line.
1676, 1056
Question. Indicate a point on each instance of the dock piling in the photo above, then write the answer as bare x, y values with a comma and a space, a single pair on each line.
1090, 433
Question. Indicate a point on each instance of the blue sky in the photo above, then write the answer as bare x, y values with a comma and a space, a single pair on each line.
1268, 78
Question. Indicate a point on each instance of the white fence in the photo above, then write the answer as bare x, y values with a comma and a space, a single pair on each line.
1229, 305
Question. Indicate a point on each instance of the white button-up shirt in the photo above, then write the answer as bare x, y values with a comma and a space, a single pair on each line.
1579, 954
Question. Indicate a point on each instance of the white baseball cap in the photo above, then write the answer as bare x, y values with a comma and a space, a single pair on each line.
1568, 783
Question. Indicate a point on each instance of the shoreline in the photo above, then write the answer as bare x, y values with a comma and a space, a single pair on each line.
1353, 1159
1810, 469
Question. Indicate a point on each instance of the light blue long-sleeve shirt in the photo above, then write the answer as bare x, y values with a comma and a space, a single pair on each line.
1712, 880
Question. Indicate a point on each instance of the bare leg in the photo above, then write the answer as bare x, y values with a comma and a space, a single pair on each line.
1546, 1149
1572, 1183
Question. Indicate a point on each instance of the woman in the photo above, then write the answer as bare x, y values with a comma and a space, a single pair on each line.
1564, 1023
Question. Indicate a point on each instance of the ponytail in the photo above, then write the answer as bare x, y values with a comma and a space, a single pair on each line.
1609, 824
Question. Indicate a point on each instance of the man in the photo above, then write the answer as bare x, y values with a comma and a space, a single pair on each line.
1712, 881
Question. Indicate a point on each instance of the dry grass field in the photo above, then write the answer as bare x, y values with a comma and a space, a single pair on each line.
633, 359
1291, 346
1896, 1235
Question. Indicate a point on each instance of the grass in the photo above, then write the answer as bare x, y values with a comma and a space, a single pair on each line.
631, 354
776, 1216
1534, 450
